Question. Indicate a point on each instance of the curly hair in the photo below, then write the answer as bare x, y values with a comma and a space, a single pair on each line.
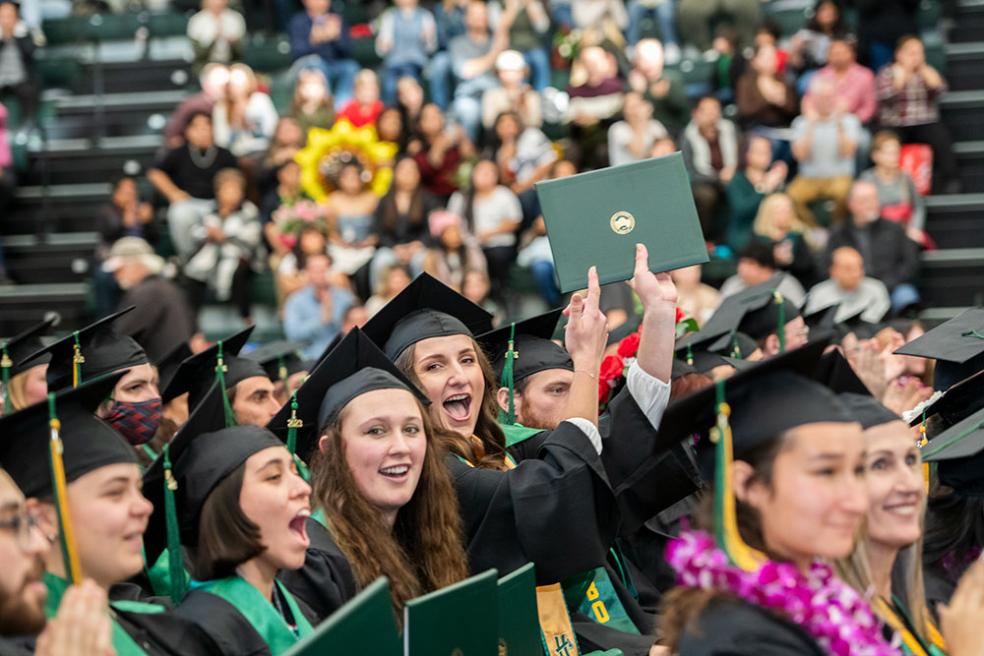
424, 550
491, 452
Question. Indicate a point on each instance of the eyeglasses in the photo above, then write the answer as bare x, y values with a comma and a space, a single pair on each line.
22, 526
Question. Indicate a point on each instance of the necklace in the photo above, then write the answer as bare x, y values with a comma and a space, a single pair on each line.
832, 612
205, 159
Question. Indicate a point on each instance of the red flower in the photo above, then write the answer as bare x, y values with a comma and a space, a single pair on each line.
611, 367
629, 346
680, 315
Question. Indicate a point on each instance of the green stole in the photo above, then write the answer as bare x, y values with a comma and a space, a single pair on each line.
259, 612
122, 642
592, 593
159, 575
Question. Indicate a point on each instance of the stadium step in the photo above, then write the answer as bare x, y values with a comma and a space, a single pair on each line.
954, 221
116, 115
64, 208
952, 277
965, 65
85, 160
969, 24
963, 113
24, 305
970, 156
58, 258
134, 76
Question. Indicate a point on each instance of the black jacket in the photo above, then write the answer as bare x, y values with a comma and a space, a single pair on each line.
893, 257
26, 47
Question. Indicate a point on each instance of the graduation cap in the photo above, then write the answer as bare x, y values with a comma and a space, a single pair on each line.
354, 367
280, 359
522, 349
959, 456
201, 454
168, 365
867, 410
14, 352
957, 345
952, 406
743, 413
426, 308
49, 444
836, 373
690, 347
219, 363
89, 352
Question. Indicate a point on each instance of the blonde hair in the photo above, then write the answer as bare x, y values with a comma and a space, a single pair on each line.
764, 224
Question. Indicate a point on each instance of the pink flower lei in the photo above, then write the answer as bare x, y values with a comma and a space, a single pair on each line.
837, 617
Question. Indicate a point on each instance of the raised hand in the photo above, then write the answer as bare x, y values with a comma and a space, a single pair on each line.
586, 334
656, 290
959, 619
82, 626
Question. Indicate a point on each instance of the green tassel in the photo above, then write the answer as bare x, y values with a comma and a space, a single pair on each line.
509, 416
781, 323
77, 361
220, 371
56, 497
690, 355
293, 424
282, 369
174, 555
735, 347
5, 366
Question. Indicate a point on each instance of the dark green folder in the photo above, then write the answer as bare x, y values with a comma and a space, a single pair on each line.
459, 620
364, 625
597, 218
519, 627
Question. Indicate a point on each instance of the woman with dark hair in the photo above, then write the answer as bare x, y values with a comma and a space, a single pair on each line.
390, 127
757, 177
523, 153
384, 501
953, 540
243, 510
401, 222
350, 210
441, 151
808, 47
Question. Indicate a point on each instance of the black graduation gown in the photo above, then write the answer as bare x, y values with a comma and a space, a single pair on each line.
326, 581
164, 634
731, 627
592, 636
556, 510
938, 588
15, 646
220, 627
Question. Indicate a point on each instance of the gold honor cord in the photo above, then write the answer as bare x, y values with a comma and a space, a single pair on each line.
60, 487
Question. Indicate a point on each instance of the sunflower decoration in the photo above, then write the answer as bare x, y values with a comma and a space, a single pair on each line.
328, 151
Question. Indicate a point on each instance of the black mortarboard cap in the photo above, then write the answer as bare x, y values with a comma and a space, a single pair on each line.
767, 398
738, 346
280, 359
952, 406
867, 410
957, 345
535, 352
426, 308
836, 373
168, 365
88, 442
23, 345
102, 349
354, 367
822, 318
959, 454
196, 374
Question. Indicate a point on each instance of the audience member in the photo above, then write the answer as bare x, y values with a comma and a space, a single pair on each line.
442, 149
757, 177
18, 73
7, 176
216, 34
600, 20
854, 84
186, 178
392, 280
288, 139
694, 19
595, 101
473, 56
535, 255
632, 138
695, 298
897, 195
405, 38
664, 12
314, 315
709, 145
365, 106
401, 222
824, 143
888, 254
809, 47
227, 246
214, 80
777, 224
320, 39
449, 16
664, 89
729, 63
524, 154
477, 288
908, 96
512, 94
389, 127
525, 23
245, 120
311, 240
163, 318
351, 208
312, 105
757, 265
856, 293
410, 102
355, 316
126, 215
286, 193
454, 252
880, 26
764, 98
493, 212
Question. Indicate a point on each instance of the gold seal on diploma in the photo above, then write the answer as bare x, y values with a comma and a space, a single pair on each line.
622, 222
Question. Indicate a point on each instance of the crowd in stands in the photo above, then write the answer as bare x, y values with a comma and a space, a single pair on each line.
793, 148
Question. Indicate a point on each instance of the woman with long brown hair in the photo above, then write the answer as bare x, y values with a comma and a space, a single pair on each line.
384, 502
